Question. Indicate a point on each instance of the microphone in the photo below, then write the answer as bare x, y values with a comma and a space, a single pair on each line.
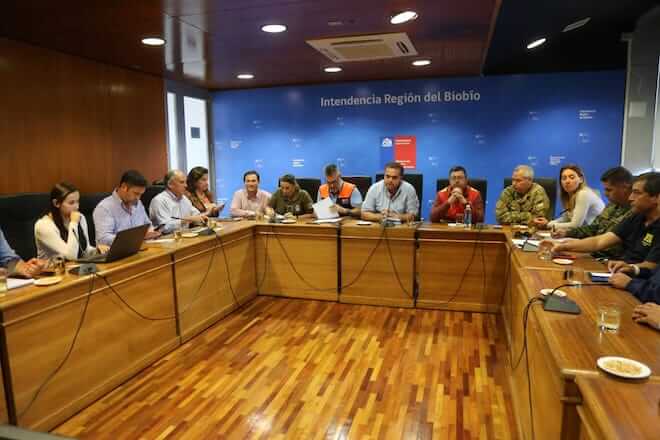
563, 304
386, 222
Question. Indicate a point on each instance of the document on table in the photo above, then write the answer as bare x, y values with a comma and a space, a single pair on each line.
328, 220
15, 283
160, 240
520, 241
325, 209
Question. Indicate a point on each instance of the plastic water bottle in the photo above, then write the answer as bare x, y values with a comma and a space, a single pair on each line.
468, 216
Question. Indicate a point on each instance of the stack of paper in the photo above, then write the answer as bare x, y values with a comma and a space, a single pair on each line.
15, 283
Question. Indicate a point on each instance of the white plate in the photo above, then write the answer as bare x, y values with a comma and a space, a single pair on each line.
609, 364
189, 234
546, 292
562, 261
363, 223
48, 281
544, 234
289, 221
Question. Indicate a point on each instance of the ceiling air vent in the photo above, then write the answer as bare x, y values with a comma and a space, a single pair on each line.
365, 47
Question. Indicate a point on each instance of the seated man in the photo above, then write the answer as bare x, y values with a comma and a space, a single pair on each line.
291, 199
617, 185
249, 200
523, 201
345, 195
639, 234
648, 314
14, 265
171, 209
453, 199
392, 197
122, 210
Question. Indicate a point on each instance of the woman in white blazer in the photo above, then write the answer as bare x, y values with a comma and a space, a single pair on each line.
62, 231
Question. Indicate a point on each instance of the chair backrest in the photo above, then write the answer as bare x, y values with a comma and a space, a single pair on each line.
549, 184
151, 192
417, 181
87, 204
19, 214
479, 184
309, 184
362, 182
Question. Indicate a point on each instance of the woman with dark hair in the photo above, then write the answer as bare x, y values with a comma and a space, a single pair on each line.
63, 230
581, 203
199, 194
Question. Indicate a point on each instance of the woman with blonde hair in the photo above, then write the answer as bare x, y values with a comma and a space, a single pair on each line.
581, 203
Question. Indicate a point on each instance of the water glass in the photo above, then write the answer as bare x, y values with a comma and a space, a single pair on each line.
459, 219
609, 318
545, 252
58, 265
575, 276
3, 281
178, 234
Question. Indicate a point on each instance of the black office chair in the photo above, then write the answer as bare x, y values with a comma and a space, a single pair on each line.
151, 192
480, 185
19, 214
417, 181
363, 183
549, 184
310, 184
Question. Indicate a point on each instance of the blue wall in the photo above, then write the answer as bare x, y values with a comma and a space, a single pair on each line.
542, 120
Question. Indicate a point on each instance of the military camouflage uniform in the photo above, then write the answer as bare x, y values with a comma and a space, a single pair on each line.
611, 216
513, 208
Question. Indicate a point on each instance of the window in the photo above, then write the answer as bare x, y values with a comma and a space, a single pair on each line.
188, 111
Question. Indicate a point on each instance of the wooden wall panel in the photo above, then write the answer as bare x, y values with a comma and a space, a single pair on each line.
68, 118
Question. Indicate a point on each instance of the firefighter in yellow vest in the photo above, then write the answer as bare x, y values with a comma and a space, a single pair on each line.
346, 196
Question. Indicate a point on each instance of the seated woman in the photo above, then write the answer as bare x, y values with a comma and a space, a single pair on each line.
199, 194
581, 203
63, 230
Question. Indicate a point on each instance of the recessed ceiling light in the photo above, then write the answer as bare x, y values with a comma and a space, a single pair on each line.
245, 76
153, 41
577, 24
403, 17
420, 63
333, 69
536, 43
273, 28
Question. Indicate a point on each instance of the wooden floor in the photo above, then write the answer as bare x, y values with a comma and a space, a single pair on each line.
300, 369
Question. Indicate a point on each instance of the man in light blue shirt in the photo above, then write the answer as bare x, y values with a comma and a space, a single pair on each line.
122, 210
392, 197
14, 264
171, 209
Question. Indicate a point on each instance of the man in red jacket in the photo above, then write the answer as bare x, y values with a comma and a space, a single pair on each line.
452, 200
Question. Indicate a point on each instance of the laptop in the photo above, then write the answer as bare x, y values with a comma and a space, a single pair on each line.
127, 243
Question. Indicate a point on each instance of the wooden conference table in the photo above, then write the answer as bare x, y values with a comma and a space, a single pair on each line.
66, 345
